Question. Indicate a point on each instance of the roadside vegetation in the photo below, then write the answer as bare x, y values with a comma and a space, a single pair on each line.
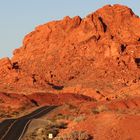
43, 133
75, 135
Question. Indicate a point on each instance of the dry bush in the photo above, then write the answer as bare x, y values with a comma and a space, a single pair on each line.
75, 135
79, 118
42, 133
99, 109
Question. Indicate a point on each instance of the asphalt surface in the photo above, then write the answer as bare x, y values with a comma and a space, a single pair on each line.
14, 129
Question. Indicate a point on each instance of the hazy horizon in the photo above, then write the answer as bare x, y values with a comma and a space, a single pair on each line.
20, 18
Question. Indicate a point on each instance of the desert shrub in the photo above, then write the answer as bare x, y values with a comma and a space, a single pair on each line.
95, 111
7, 112
64, 117
75, 135
42, 133
99, 109
71, 107
60, 116
121, 111
60, 125
79, 118
4, 114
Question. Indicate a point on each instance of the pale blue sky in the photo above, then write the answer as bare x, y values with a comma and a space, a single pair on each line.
19, 17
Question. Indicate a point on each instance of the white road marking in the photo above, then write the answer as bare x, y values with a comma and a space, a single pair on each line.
39, 112
8, 129
25, 125
24, 129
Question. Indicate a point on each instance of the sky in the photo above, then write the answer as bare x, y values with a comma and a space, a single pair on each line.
19, 17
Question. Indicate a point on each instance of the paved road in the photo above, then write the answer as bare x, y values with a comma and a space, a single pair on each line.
13, 129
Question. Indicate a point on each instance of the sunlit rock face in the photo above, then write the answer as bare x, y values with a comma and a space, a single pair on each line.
104, 45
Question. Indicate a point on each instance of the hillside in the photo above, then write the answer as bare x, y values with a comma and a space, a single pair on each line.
93, 61
102, 48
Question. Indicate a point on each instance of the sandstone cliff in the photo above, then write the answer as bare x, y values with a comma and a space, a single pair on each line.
100, 51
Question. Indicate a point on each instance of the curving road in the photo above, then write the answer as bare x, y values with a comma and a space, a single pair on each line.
14, 129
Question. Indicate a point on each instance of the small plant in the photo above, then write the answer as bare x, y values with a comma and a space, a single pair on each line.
95, 111
79, 118
121, 111
60, 125
63, 117
102, 108
75, 135
59, 116
99, 109
44, 132
71, 107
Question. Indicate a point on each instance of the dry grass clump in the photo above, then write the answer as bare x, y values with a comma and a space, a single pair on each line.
79, 118
99, 109
75, 135
43, 133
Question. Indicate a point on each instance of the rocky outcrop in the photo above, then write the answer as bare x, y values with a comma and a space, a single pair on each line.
100, 50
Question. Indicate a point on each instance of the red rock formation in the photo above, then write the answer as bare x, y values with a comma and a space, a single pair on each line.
92, 63
100, 50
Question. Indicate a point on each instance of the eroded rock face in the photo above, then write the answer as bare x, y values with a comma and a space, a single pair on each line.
105, 45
